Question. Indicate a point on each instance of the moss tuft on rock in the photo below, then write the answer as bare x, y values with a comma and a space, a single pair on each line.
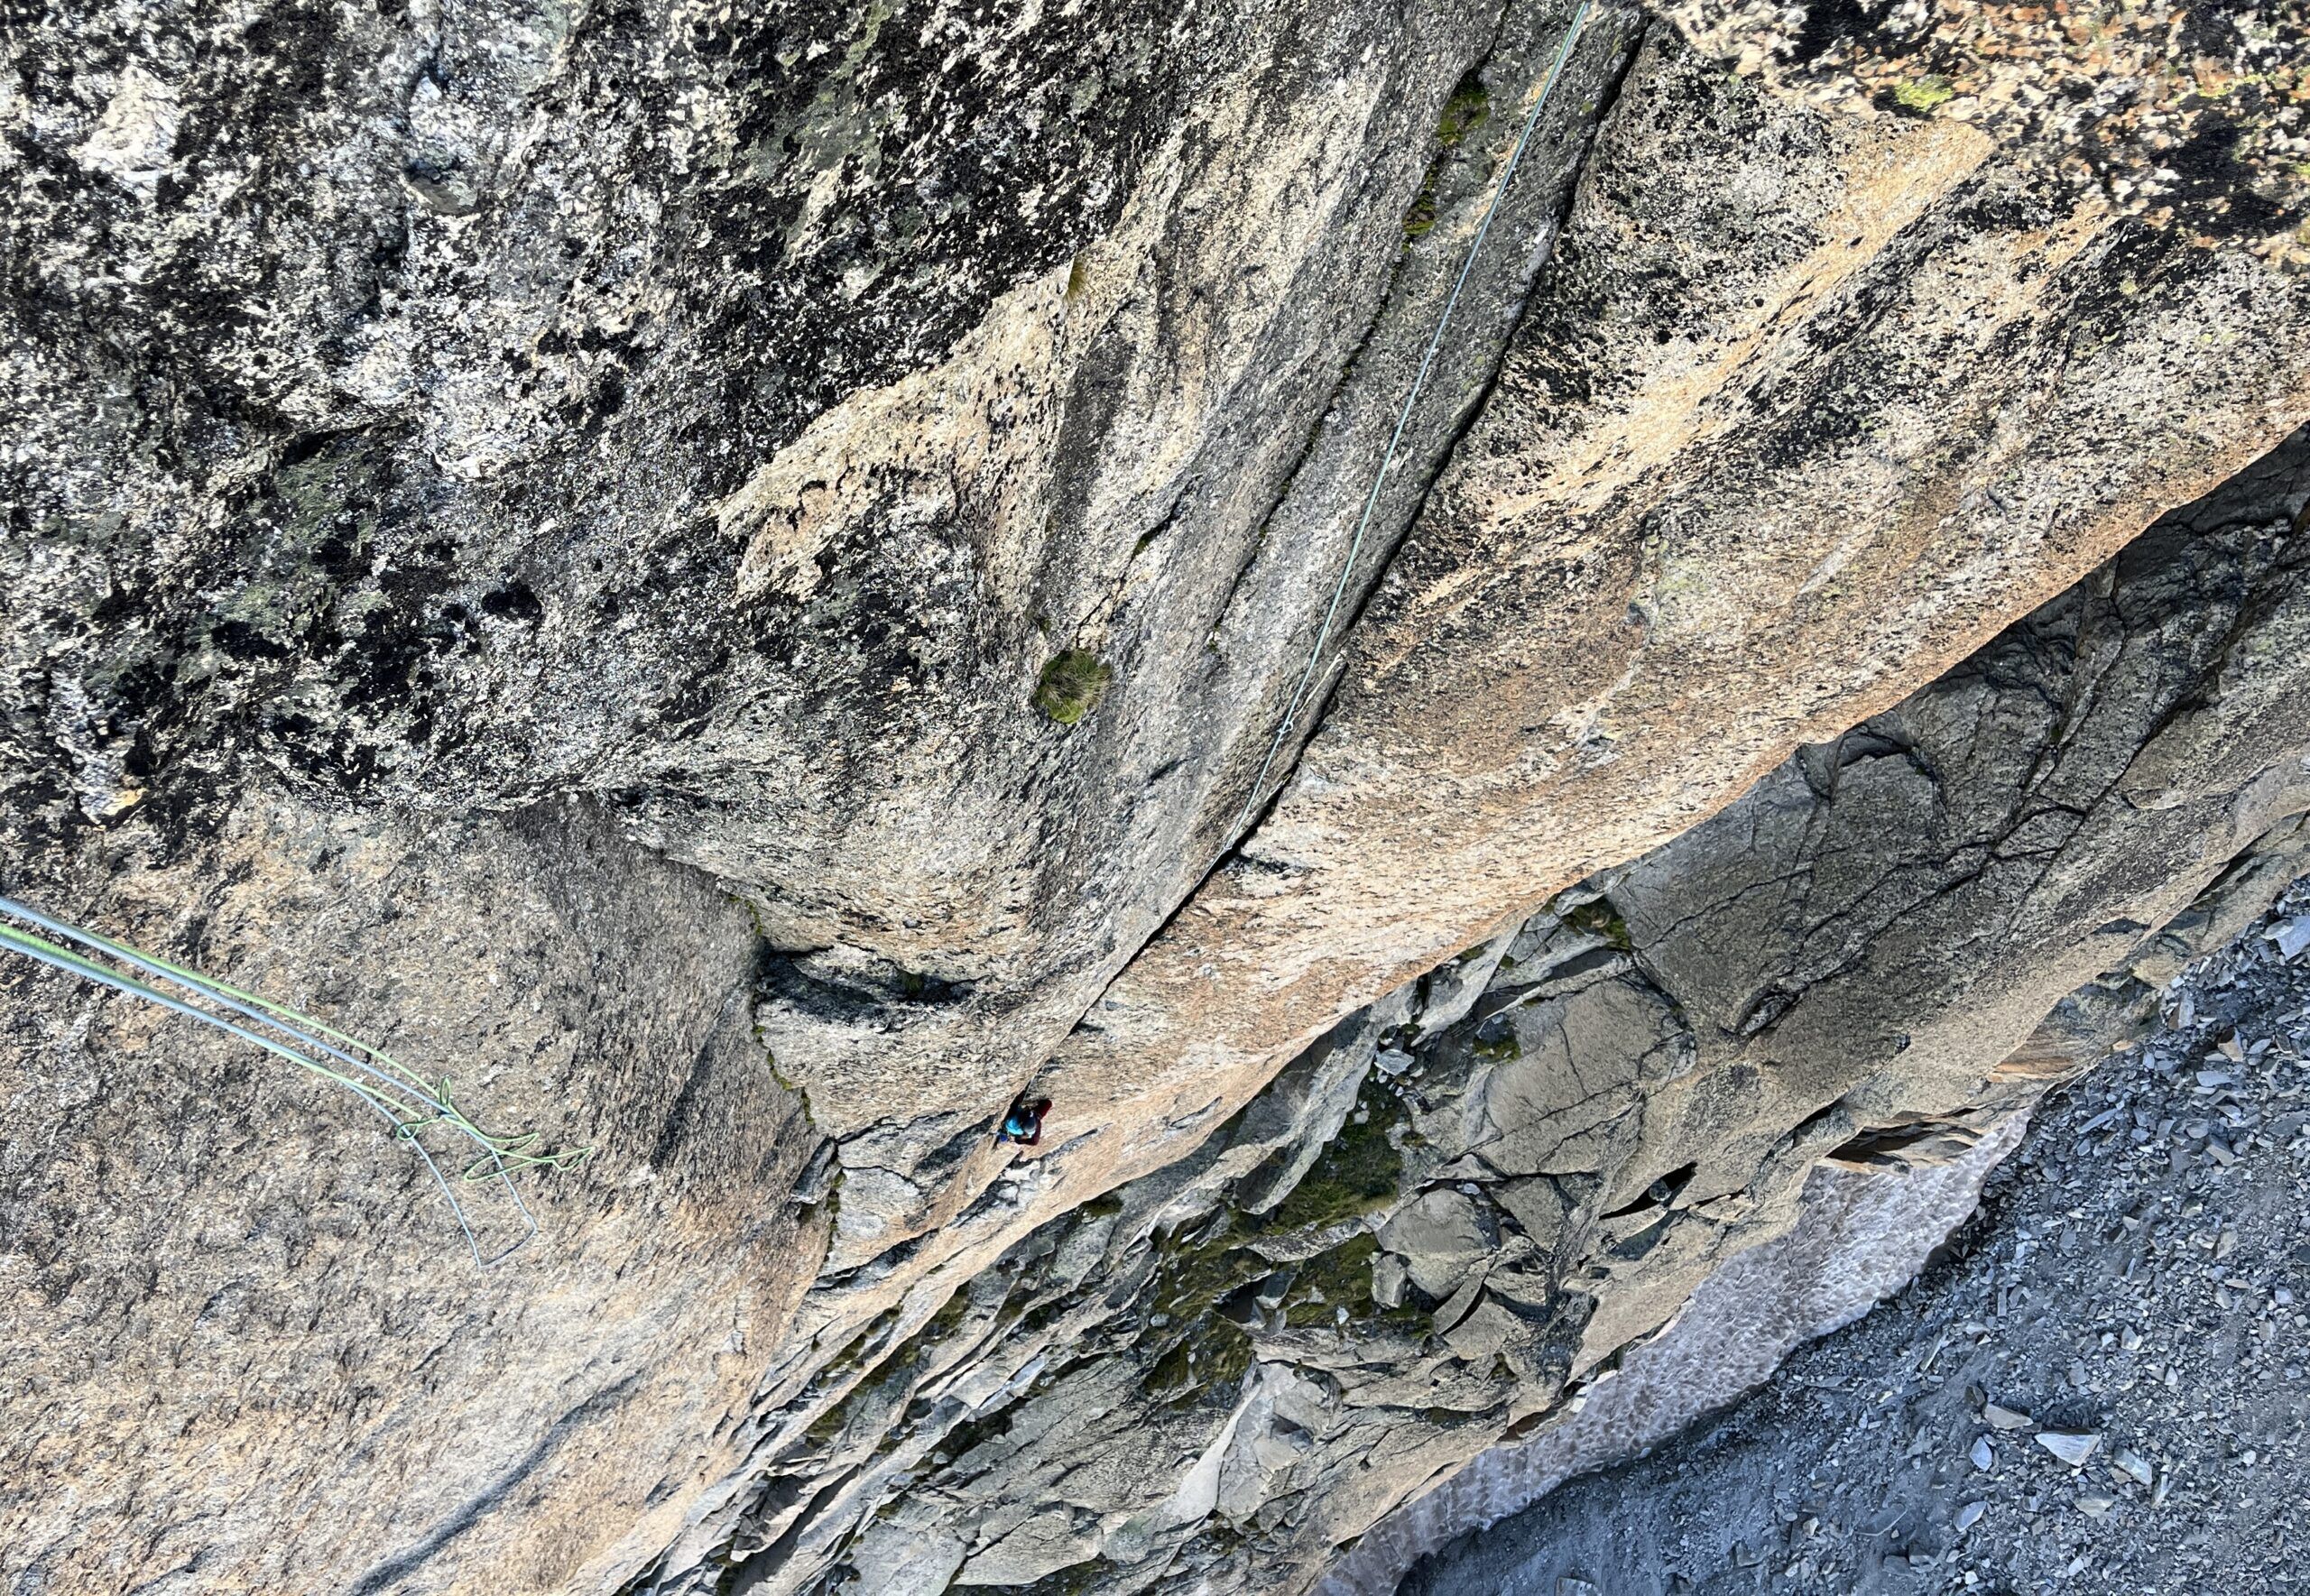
1072, 684
1495, 1040
1356, 1173
1598, 917
1469, 108
1926, 94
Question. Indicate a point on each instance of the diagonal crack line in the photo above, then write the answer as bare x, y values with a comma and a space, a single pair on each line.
1349, 369
1313, 711
1306, 710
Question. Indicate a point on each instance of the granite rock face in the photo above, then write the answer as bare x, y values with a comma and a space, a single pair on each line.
1723, 501
1453, 1232
2179, 113
1956, 1412
741, 583
248, 1348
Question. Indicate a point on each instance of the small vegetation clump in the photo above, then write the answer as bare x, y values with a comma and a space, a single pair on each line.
1072, 684
1469, 108
1198, 1274
1598, 917
1208, 1362
1495, 1040
1329, 1281
1420, 219
1355, 1174
1926, 94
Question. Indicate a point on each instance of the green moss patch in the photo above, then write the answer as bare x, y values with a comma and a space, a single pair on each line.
1209, 1352
1354, 1174
1208, 1362
1926, 94
1330, 1281
1192, 1278
1598, 917
1469, 108
1072, 684
1496, 1041
1420, 219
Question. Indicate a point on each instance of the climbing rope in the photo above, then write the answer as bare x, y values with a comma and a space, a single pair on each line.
1403, 419
407, 1101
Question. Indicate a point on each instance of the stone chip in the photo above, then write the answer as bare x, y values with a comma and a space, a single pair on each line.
2071, 1447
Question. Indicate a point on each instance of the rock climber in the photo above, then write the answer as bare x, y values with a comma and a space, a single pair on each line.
1023, 1125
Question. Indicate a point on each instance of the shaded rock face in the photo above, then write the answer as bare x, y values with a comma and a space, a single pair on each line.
1905, 1454
724, 580
1860, 1234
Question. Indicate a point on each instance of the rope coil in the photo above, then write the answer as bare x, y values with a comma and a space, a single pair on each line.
408, 1102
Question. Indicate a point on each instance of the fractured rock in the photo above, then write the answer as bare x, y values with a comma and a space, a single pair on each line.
1440, 1236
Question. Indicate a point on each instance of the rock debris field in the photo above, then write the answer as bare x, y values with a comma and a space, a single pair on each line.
2101, 1388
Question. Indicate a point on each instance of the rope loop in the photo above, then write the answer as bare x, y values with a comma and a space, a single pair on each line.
407, 1101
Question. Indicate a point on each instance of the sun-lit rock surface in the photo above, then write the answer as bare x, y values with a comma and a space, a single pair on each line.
727, 579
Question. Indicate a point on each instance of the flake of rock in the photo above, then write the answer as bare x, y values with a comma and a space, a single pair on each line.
1571, 1585
1440, 1235
1984, 1454
1970, 1514
2004, 1418
2094, 1506
2133, 1465
2291, 936
2068, 1445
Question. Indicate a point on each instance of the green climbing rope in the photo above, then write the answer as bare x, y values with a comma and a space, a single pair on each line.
407, 1101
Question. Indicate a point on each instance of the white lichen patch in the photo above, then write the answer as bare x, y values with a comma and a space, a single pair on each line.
132, 140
